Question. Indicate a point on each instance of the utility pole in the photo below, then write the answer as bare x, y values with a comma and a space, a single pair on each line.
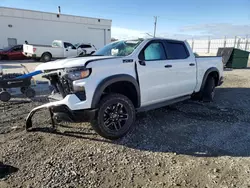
155, 24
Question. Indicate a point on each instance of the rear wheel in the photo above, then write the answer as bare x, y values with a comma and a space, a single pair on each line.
115, 117
46, 57
209, 90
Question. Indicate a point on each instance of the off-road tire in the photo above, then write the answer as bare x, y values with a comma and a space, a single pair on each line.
209, 90
114, 100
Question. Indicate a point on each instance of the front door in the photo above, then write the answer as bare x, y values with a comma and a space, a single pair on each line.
152, 73
70, 50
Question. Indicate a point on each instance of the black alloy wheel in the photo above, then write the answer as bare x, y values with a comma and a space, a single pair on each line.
115, 116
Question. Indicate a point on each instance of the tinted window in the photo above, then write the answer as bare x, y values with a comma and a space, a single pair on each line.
176, 50
154, 51
68, 45
86, 46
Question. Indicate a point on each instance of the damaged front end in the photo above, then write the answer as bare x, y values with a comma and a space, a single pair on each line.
68, 99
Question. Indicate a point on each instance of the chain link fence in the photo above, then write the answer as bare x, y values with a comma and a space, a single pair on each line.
210, 46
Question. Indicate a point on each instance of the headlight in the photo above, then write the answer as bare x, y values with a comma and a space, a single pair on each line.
78, 74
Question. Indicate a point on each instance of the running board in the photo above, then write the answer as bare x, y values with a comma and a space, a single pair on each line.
163, 103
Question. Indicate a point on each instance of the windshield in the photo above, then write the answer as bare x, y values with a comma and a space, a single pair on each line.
120, 48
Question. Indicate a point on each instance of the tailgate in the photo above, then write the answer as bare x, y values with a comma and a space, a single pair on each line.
28, 48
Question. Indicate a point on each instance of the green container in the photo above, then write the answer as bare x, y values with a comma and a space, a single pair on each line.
234, 58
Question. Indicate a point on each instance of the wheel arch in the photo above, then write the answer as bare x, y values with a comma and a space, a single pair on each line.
115, 79
46, 53
213, 71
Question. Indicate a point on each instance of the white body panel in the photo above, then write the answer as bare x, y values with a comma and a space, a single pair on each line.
157, 83
203, 64
89, 50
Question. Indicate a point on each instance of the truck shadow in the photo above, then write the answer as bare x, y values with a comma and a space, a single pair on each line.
74, 133
221, 128
5, 170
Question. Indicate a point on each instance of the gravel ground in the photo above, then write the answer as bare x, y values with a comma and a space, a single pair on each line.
189, 144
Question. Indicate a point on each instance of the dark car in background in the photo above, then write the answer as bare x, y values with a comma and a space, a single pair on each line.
12, 53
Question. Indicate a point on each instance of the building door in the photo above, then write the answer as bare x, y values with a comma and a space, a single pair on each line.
98, 37
12, 41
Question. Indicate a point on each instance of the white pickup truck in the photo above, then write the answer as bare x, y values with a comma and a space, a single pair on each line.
126, 77
58, 49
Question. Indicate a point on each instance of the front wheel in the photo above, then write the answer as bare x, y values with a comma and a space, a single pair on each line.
115, 117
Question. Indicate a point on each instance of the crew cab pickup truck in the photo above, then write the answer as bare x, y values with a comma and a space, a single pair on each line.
58, 49
125, 77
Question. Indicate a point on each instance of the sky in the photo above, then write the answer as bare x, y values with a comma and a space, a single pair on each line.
182, 19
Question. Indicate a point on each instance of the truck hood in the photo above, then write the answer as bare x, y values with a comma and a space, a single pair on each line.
70, 62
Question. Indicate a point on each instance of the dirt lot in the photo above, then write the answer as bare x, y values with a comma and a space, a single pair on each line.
189, 144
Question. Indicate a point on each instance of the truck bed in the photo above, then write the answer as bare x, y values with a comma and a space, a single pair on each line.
41, 45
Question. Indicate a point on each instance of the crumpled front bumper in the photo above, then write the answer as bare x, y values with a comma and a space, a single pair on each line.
60, 111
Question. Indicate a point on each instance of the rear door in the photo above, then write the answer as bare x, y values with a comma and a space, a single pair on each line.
182, 68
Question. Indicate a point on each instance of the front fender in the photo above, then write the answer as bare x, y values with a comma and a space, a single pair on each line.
110, 80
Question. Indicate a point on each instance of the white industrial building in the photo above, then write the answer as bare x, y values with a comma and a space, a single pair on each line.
18, 26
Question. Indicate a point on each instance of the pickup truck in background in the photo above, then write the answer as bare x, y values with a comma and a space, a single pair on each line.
126, 77
58, 49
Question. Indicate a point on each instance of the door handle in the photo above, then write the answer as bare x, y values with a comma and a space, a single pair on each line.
191, 64
168, 66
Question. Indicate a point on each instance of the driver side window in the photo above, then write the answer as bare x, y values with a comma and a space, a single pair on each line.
69, 46
153, 52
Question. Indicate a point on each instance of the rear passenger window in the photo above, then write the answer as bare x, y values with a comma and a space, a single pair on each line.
154, 51
176, 50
